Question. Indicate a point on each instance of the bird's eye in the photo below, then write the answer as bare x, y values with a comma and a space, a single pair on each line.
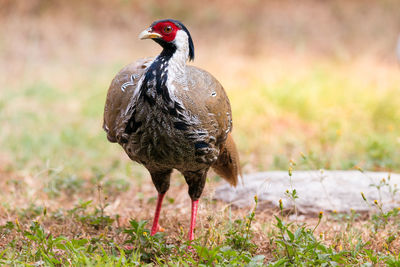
167, 29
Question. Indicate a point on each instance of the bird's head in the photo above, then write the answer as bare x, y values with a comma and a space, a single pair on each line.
171, 35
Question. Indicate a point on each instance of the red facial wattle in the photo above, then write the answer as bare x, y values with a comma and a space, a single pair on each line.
166, 29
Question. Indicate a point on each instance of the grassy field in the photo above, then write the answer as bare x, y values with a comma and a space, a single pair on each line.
322, 97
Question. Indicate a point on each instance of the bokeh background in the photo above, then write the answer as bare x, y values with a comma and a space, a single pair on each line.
313, 81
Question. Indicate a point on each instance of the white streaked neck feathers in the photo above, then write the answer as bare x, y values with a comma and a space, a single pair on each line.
176, 64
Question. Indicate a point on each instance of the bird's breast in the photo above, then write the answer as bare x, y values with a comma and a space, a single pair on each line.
168, 135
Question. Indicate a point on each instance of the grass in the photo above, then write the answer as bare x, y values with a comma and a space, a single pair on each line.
71, 198
32, 243
57, 157
87, 235
349, 118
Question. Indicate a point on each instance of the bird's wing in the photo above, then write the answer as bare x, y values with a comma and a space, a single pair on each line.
217, 119
119, 95
209, 94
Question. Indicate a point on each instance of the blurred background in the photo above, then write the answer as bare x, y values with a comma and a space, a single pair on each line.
312, 81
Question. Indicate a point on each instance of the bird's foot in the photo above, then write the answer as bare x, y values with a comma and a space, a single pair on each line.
156, 229
190, 249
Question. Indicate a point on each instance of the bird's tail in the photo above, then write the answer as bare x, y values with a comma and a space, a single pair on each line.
227, 164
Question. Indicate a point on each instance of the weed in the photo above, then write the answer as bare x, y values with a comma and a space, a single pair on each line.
297, 245
292, 194
96, 218
239, 235
150, 248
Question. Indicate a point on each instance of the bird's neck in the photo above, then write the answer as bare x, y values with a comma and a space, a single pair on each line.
169, 66
167, 71
175, 62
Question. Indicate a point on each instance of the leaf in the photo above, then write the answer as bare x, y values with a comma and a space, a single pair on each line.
279, 224
290, 234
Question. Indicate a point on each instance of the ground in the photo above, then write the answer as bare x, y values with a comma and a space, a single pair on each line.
315, 80
100, 209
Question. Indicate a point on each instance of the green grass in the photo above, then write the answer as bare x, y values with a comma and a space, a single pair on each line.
229, 244
36, 245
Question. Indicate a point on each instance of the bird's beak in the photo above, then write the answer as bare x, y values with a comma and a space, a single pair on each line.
148, 34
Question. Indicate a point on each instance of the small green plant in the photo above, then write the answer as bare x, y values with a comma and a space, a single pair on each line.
226, 256
292, 193
383, 183
7, 228
139, 241
43, 245
96, 218
296, 245
237, 249
239, 234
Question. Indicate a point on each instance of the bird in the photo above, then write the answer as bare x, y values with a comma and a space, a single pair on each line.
168, 115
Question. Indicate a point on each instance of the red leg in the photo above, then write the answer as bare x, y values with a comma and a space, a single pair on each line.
193, 219
155, 226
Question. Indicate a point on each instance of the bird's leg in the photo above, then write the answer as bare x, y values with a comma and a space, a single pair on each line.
196, 181
156, 226
160, 179
193, 219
